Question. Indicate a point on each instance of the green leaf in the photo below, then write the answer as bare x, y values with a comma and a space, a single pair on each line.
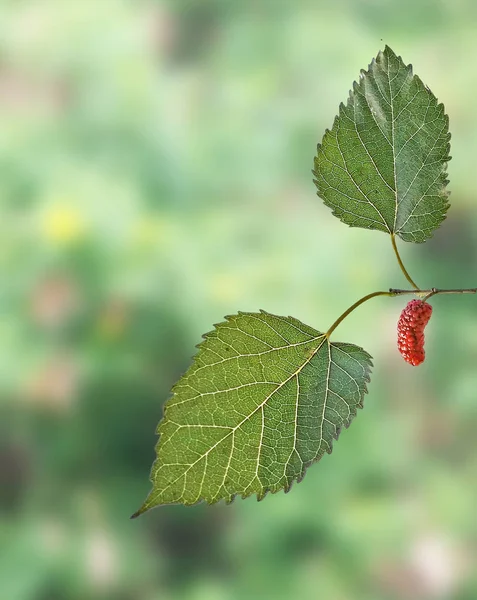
263, 399
383, 164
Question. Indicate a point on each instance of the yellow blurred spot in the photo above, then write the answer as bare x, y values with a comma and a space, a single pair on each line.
63, 225
225, 287
146, 232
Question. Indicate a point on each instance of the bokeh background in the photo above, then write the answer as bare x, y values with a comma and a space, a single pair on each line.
155, 175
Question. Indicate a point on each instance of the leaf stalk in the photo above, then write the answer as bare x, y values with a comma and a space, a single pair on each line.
401, 264
352, 307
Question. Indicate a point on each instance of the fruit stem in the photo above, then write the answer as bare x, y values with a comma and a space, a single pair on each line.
401, 265
396, 292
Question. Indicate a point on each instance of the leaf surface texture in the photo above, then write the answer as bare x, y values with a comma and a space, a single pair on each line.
383, 164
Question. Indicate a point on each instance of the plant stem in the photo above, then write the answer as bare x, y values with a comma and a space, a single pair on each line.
396, 292
401, 265
432, 291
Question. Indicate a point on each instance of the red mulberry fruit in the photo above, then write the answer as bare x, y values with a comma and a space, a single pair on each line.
410, 329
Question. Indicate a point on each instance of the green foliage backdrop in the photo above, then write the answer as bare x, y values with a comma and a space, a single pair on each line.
155, 162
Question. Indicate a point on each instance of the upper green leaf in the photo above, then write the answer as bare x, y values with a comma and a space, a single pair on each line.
263, 399
383, 164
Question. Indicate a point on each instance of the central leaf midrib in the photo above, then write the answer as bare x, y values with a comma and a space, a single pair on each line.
391, 105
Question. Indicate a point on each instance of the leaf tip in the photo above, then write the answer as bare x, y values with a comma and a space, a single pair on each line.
138, 513
388, 52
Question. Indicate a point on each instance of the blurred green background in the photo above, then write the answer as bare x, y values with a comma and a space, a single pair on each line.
155, 175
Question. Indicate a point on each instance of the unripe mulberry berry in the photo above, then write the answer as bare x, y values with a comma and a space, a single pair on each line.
410, 330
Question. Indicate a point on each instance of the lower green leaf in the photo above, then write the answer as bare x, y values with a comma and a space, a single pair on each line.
263, 400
